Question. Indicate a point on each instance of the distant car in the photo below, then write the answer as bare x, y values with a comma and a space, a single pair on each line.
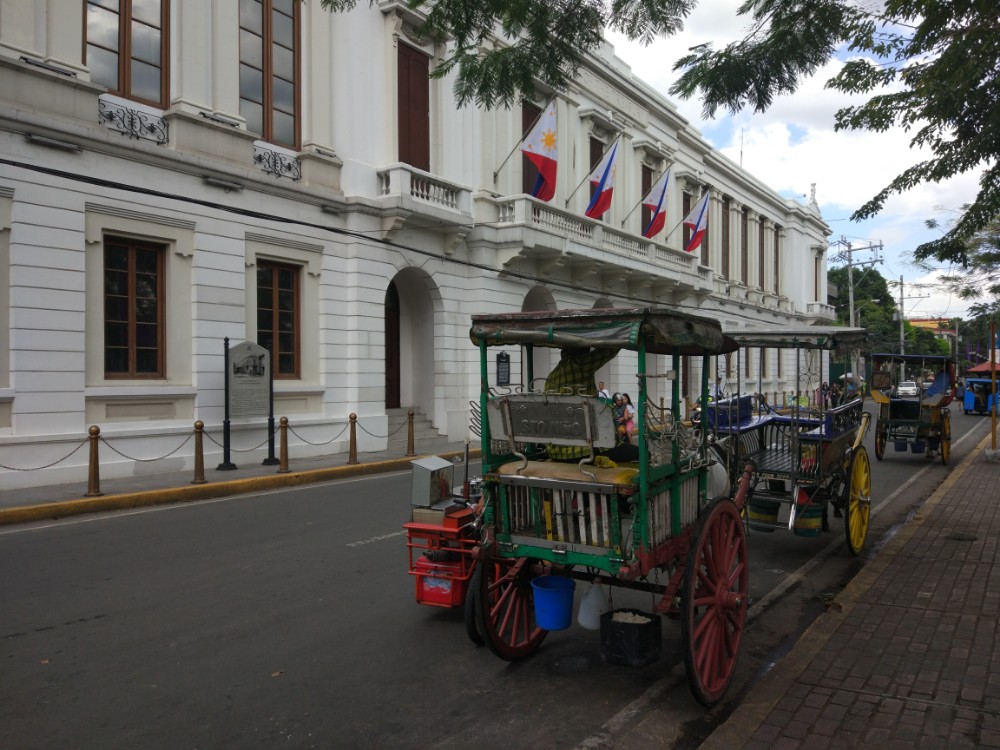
907, 388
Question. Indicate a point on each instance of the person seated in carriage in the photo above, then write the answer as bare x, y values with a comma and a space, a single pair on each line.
575, 374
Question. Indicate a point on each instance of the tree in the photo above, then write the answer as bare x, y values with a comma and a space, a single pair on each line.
932, 62
928, 66
980, 276
501, 48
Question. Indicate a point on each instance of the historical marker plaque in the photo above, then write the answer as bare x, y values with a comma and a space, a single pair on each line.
249, 378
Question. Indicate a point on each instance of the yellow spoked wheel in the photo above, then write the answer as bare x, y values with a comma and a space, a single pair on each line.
945, 438
859, 499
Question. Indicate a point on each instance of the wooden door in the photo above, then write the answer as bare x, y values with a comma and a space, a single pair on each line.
392, 347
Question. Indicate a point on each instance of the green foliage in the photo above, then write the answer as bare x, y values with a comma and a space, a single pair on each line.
880, 318
930, 66
980, 276
500, 49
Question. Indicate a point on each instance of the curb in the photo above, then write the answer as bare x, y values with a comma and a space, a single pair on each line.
761, 700
192, 492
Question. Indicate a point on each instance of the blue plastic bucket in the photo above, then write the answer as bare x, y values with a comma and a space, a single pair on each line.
553, 601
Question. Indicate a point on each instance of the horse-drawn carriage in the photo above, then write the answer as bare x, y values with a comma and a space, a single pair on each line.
921, 425
807, 457
639, 518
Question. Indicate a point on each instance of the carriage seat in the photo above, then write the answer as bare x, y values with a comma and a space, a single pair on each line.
837, 421
569, 472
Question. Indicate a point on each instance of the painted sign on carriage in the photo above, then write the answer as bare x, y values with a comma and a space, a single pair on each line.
249, 378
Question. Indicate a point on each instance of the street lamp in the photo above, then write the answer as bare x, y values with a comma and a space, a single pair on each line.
857, 311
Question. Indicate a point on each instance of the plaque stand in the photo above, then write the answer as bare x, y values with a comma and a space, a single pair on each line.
226, 464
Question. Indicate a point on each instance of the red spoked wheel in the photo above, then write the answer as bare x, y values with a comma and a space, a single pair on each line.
714, 614
506, 606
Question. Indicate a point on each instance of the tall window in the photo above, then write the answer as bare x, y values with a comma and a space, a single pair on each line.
744, 246
686, 203
704, 241
278, 316
133, 309
596, 154
760, 254
127, 47
413, 70
269, 67
727, 209
645, 186
777, 259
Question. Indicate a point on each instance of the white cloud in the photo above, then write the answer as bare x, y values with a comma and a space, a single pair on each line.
794, 145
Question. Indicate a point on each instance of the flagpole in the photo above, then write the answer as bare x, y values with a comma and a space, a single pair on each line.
648, 193
592, 168
521, 139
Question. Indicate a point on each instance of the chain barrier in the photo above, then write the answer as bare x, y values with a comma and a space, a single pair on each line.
147, 460
243, 450
47, 466
383, 436
307, 442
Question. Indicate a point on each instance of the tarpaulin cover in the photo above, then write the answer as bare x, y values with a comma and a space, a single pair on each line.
663, 331
830, 338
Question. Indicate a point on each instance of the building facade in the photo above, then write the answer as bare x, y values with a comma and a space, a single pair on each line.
176, 173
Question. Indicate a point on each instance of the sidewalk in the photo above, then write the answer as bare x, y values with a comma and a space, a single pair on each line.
908, 655
56, 501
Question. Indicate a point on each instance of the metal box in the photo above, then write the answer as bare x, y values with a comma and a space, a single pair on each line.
432, 479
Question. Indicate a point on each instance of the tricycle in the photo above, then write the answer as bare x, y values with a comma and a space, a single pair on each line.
565, 500
921, 425
808, 455
979, 396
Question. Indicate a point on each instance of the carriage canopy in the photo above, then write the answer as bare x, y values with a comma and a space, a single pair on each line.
660, 330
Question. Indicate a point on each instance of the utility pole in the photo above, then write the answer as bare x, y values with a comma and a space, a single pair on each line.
846, 255
902, 317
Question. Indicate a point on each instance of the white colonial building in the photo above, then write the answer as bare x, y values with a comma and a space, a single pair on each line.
176, 172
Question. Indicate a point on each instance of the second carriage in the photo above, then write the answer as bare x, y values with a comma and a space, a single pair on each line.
923, 424
808, 455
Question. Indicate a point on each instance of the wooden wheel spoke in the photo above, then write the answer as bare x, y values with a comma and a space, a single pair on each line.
508, 610
715, 579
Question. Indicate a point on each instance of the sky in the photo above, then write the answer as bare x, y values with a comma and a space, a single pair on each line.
793, 146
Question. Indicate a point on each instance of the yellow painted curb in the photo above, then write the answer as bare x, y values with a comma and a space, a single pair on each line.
192, 492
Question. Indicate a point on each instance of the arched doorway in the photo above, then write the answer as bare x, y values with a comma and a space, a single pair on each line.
538, 299
410, 354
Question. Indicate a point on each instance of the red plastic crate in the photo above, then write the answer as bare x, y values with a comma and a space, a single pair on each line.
440, 583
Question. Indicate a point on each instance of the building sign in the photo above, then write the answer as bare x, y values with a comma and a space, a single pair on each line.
249, 380
503, 368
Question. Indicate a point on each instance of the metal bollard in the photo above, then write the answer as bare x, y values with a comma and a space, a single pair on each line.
409, 433
94, 470
199, 455
352, 452
283, 448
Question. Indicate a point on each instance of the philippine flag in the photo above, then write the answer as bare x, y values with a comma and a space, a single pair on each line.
603, 181
654, 201
697, 222
540, 148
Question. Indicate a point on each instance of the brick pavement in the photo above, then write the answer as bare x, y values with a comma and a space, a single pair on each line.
907, 656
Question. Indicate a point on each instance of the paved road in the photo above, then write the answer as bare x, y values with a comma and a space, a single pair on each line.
287, 618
